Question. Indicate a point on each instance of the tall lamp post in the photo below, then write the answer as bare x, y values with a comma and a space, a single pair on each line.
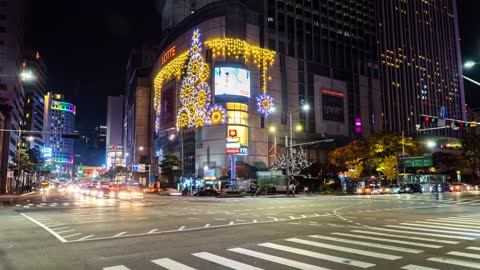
469, 65
305, 108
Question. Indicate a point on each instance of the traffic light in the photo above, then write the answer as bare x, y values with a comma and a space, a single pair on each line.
71, 135
430, 119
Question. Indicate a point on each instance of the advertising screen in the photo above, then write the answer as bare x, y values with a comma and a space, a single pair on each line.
167, 108
47, 152
232, 81
333, 106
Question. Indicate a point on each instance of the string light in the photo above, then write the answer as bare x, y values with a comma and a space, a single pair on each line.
265, 104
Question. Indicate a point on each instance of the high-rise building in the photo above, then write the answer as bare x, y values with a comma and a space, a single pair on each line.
100, 137
114, 141
318, 53
35, 91
421, 69
11, 90
59, 118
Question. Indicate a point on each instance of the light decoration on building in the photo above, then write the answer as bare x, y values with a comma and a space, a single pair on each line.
190, 115
195, 94
265, 104
63, 106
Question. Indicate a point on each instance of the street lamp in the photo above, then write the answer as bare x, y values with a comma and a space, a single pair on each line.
470, 64
431, 144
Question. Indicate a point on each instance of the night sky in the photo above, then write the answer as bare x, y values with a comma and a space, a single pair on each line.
86, 45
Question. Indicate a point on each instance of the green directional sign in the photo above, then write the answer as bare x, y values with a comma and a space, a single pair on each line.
418, 162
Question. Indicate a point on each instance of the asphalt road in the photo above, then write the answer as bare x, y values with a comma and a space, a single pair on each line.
412, 232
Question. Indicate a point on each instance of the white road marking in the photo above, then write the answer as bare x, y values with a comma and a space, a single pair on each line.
224, 261
75, 234
448, 223
152, 231
455, 222
345, 249
464, 254
473, 248
318, 255
455, 262
276, 259
367, 244
86, 237
433, 230
206, 225
440, 227
389, 240
117, 267
417, 267
66, 231
231, 223
171, 264
420, 233
181, 228
119, 234
58, 236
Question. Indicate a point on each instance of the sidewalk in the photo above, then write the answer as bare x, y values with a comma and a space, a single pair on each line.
8, 197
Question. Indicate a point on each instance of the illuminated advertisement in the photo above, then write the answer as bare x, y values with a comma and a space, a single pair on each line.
167, 108
332, 105
232, 81
47, 152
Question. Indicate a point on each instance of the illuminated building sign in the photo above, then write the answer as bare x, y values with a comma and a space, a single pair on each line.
232, 81
233, 151
63, 106
114, 147
169, 54
232, 133
358, 125
332, 93
47, 152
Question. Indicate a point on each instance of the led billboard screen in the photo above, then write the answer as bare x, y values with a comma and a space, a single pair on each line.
232, 81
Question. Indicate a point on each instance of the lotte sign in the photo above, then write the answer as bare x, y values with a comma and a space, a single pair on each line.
233, 151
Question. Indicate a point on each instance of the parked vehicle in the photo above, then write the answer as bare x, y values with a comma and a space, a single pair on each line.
411, 188
365, 191
392, 189
377, 190
208, 193
459, 187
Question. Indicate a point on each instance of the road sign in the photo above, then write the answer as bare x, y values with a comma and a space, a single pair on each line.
141, 167
233, 151
443, 112
404, 156
134, 168
441, 123
418, 162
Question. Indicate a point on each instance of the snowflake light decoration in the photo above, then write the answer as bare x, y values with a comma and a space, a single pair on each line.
265, 104
217, 115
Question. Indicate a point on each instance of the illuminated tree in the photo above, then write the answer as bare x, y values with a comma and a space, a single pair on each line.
298, 161
388, 166
195, 94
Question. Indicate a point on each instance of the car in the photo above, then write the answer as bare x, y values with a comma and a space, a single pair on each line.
441, 188
208, 193
377, 190
105, 193
411, 188
392, 189
129, 192
458, 187
365, 191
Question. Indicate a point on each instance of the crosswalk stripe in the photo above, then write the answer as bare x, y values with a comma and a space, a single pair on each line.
432, 230
276, 259
455, 222
407, 237
224, 261
171, 264
417, 267
474, 248
117, 267
367, 244
318, 255
388, 240
472, 220
464, 254
440, 227
345, 249
455, 262
440, 223
422, 233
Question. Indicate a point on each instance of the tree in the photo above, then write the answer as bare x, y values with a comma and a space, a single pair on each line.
22, 163
169, 162
350, 152
388, 166
120, 172
471, 153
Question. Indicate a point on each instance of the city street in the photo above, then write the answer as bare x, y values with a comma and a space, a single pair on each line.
434, 231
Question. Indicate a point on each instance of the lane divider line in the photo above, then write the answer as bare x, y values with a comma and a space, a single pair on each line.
63, 240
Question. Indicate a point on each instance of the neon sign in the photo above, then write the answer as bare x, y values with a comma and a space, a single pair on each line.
169, 54
332, 93
63, 106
